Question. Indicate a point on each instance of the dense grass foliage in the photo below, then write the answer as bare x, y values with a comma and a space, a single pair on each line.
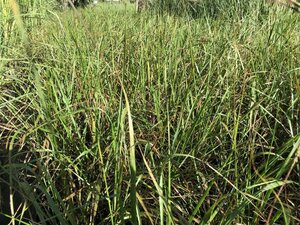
201, 8
113, 117
227, 8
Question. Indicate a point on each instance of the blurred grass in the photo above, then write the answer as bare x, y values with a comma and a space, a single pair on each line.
205, 131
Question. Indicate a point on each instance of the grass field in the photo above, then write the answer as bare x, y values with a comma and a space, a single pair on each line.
112, 117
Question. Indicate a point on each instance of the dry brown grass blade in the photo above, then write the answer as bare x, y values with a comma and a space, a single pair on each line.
140, 199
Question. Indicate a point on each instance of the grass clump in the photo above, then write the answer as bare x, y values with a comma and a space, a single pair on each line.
125, 118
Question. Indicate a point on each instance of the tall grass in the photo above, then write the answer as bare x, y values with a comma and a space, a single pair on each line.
124, 118
202, 8
217, 8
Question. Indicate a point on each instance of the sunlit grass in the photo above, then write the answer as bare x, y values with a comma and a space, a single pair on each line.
124, 118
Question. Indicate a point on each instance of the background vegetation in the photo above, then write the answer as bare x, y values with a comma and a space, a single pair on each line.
113, 117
